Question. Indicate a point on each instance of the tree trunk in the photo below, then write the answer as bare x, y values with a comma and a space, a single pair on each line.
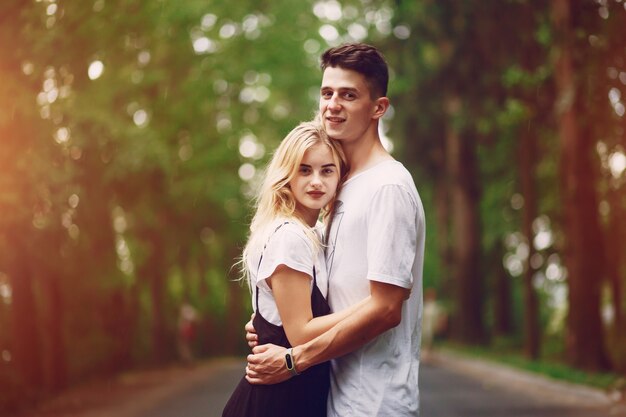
614, 249
187, 270
152, 272
26, 340
584, 256
442, 219
119, 326
157, 294
502, 303
464, 201
53, 320
208, 327
527, 151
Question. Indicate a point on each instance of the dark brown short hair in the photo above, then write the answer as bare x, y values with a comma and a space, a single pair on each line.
362, 58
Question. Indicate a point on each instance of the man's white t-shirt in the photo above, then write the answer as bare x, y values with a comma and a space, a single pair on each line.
289, 246
377, 234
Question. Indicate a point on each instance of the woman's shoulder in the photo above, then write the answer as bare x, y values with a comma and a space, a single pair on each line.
289, 231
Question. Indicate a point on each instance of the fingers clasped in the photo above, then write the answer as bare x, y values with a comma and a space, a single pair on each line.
250, 372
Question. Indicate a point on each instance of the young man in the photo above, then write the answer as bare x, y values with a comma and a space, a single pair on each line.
375, 247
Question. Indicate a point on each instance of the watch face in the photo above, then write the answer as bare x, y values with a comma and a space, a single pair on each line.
289, 361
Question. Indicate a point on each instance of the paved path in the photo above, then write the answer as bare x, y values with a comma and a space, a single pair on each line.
447, 393
444, 391
204, 399
450, 387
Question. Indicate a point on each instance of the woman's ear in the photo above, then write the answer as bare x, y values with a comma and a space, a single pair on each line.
381, 104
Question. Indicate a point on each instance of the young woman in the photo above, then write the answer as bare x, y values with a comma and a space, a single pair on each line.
284, 264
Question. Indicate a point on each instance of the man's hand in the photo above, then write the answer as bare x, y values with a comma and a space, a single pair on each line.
251, 336
266, 365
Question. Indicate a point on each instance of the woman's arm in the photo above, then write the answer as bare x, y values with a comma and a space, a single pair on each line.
292, 292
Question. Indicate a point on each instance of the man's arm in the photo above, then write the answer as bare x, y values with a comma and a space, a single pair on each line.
382, 312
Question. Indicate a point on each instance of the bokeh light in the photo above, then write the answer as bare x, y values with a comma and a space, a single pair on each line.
246, 172
329, 33
617, 163
96, 68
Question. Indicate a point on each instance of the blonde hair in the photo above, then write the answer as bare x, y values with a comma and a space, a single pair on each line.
275, 200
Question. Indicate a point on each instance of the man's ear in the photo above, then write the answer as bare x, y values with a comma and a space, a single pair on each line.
381, 104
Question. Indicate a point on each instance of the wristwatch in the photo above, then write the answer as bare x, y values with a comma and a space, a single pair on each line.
290, 362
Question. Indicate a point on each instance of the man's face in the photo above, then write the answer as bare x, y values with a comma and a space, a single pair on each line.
346, 106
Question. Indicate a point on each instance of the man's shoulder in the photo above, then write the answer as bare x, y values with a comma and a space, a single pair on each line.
388, 173
384, 181
393, 175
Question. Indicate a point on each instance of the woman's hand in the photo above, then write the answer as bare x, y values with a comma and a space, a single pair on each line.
251, 337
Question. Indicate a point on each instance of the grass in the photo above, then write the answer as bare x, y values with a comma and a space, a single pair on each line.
551, 367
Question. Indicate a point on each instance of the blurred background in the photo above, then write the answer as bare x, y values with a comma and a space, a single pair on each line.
133, 133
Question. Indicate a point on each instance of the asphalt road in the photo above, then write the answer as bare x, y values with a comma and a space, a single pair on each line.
444, 393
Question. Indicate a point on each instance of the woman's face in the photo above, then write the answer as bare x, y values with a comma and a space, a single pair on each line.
315, 183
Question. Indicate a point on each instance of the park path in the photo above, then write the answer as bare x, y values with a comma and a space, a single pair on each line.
450, 386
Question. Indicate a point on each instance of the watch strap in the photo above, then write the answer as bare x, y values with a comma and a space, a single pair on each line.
290, 362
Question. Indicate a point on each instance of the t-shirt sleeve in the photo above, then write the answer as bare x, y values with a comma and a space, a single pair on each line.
392, 236
290, 247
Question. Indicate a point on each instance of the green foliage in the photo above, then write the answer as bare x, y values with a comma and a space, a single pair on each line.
432, 275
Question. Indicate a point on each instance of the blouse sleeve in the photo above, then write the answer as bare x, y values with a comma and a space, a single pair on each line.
289, 246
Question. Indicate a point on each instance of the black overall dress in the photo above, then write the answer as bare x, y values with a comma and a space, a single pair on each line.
303, 395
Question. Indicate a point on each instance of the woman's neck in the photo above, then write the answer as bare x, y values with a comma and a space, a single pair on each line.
307, 216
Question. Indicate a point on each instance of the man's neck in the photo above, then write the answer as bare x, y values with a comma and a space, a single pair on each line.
364, 154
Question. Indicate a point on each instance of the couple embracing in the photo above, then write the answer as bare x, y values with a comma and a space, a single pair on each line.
334, 259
